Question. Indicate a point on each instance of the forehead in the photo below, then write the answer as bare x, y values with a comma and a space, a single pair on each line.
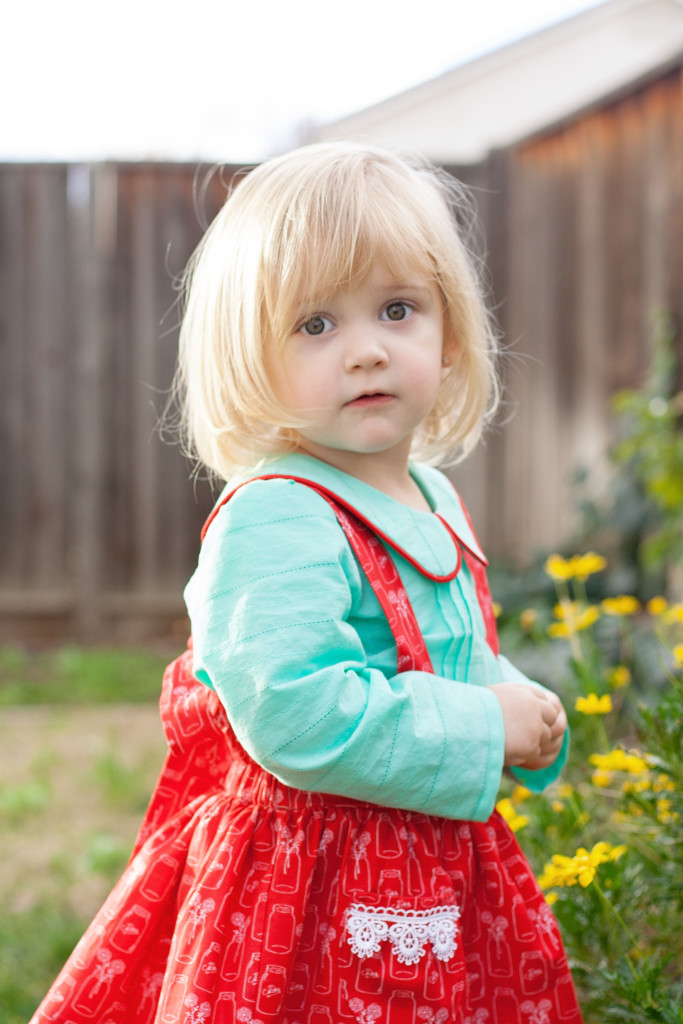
381, 270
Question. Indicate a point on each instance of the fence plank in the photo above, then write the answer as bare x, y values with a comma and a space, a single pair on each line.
13, 535
46, 386
94, 241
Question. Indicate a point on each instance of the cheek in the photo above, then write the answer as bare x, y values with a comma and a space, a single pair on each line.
428, 385
428, 370
299, 383
283, 375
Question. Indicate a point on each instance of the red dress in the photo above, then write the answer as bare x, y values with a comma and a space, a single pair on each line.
248, 901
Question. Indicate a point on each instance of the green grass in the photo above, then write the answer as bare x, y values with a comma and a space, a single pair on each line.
18, 801
123, 786
76, 775
78, 675
106, 855
35, 944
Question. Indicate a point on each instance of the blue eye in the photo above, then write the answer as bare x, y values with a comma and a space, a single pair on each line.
316, 325
395, 311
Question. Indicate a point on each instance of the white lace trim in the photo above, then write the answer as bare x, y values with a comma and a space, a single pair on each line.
407, 930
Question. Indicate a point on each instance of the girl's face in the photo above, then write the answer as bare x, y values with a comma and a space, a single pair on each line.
364, 370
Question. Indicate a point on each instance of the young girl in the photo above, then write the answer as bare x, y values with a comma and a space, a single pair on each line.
323, 847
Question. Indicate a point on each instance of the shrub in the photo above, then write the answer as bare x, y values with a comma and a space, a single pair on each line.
606, 841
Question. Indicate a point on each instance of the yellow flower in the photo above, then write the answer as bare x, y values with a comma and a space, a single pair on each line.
594, 705
678, 653
641, 786
674, 614
587, 617
565, 791
497, 609
551, 898
619, 677
622, 605
581, 868
557, 806
577, 567
663, 784
664, 813
527, 619
619, 761
506, 809
573, 618
559, 629
557, 568
588, 564
657, 605
520, 794
616, 761
551, 874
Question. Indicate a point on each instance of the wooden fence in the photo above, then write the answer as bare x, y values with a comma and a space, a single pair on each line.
584, 226
99, 519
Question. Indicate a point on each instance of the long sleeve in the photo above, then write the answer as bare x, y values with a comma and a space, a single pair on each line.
289, 634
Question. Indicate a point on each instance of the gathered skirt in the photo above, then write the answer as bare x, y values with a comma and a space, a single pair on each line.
246, 900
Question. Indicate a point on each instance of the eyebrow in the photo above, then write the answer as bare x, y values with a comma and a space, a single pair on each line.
407, 285
412, 283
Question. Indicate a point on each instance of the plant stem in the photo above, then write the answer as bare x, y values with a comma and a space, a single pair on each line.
612, 910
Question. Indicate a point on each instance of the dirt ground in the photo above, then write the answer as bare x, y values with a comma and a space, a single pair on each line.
74, 784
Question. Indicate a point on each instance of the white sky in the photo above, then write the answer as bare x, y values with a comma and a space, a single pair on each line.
225, 80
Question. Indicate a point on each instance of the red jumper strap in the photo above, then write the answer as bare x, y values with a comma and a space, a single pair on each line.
384, 579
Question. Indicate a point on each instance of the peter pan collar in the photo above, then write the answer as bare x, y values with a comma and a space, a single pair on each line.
422, 535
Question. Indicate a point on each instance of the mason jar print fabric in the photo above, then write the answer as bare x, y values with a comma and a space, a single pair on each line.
246, 900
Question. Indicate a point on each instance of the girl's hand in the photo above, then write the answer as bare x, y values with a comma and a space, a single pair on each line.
535, 724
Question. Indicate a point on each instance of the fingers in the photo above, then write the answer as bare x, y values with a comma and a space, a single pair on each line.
545, 757
553, 746
555, 718
538, 763
559, 726
534, 722
549, 712
553, 732
547, 753
552, 706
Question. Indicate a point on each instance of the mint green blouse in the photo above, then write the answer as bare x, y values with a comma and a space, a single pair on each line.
289, 633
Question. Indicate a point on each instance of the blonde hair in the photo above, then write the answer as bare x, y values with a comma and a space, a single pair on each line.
301, 227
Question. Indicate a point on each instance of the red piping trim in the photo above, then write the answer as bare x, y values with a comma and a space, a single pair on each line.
331, 496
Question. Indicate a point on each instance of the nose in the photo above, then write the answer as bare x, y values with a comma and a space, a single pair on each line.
365, 350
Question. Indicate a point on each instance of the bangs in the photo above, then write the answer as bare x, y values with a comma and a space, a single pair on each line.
313, 280
331, 235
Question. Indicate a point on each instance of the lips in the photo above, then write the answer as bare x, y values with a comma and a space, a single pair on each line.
370, 399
